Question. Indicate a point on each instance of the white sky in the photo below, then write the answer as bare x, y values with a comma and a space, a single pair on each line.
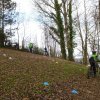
32, 26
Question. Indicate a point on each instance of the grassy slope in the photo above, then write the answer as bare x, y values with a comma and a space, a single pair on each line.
24, 74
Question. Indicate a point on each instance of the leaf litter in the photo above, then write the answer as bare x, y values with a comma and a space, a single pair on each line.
22, 79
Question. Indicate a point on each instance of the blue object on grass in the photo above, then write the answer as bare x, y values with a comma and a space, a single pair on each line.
46, 83
74, 92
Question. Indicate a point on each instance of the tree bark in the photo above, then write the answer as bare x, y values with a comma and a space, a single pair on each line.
60, 29
86, 30
70, 42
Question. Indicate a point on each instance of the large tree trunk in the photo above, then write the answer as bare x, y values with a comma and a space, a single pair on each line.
70, 44
60, 29
2, 39
65, 21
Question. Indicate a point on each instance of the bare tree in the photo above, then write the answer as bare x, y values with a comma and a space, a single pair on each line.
84, 32
6, 18
53, 14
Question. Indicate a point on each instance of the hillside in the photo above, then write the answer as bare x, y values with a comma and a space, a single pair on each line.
22, 76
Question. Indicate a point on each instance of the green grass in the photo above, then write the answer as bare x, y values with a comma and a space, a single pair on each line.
25, 73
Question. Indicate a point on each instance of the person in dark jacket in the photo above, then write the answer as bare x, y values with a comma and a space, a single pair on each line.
45, 51
93, 62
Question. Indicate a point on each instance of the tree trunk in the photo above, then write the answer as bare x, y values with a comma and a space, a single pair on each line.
86, 30
65, 21
70, 46
2, 32
80, 32
60, 29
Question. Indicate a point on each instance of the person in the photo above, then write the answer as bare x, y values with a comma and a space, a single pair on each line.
16, 45
94, 55
45, 51
93, 62
30, 47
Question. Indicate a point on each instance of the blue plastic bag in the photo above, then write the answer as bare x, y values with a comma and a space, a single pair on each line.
74, 92
46, 83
